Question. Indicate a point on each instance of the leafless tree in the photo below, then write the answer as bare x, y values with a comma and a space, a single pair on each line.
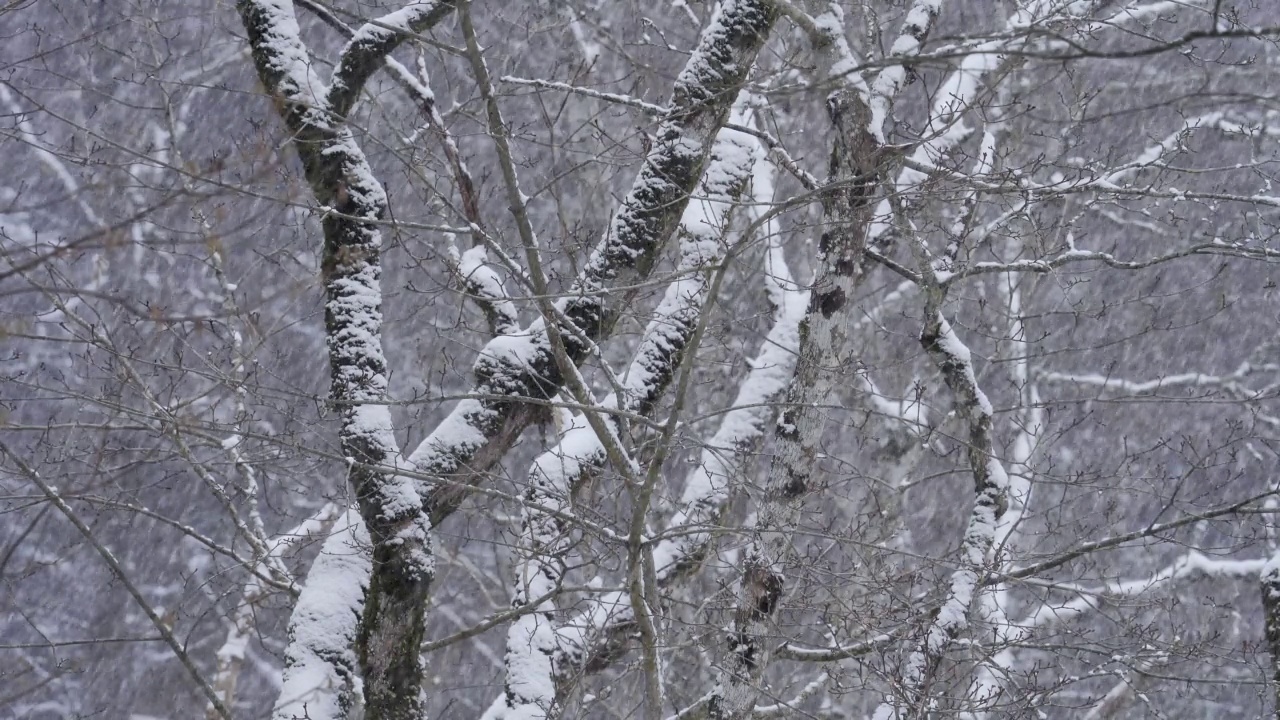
747, 359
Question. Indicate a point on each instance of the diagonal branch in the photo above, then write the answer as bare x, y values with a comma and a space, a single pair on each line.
370, 45
479, 432
179, 651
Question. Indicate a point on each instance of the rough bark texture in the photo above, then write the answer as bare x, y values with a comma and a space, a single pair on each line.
479, 432
340, 178
1271, 610
824, 354
511, 368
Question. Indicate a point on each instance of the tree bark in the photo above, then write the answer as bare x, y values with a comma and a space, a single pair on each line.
854, 168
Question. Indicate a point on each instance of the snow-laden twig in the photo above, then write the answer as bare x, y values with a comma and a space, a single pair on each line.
628, 101
1216, 248
27, 133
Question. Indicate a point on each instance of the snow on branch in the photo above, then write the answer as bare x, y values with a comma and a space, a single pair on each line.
1070, 256
486, 287
627, 100
283, 62
824, 336
370, 45
230, 657
1269, 585
1168, 382
590, 640
991, 495
531, 640
994, 604
1088, 598
945, 128
991, 485
707, 488
894, 76
321, 671
478, 432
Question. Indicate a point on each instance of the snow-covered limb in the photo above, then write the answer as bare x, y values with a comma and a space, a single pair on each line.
478, 432
707, 488
531, 641
1070, 256
1270, 588
485, 286
828, 36
340, 177
891, 79
1114, 541
372, 43
787, 708
823, 346
945, 128
995, 599
944, 131
417, 87
1154, 155
1088, 598
321, 669
591, 640
790, 651
1169, 382
558, 326
991, 486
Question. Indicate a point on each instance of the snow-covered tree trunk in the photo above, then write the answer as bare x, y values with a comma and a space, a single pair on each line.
342, 181
397, 511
